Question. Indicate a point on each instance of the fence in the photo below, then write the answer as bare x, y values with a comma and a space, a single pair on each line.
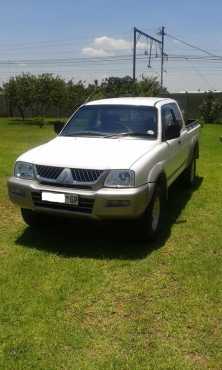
189, 103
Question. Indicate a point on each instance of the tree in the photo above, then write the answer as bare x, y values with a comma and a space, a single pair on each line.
45, 94
11, 94
20, 92
210, 109
126, 86
58, 95
117, 86
43, 98
149, 87
76, 95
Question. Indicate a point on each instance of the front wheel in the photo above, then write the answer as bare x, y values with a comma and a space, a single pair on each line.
152, 219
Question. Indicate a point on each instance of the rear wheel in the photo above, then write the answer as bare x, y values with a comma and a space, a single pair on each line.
152, 220
190, 173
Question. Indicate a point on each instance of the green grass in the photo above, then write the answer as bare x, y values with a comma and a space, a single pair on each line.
95, 298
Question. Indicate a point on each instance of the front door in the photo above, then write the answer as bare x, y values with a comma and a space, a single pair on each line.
174, 154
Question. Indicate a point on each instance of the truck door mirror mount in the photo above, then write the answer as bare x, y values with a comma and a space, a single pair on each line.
172, 131
58, 126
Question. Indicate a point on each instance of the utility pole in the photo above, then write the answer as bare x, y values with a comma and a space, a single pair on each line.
152, 39
162, 32
136, 32
134, 54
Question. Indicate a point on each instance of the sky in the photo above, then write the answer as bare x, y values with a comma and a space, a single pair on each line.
43, 36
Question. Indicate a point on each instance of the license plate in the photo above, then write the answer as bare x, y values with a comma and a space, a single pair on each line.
53, 197
71, 199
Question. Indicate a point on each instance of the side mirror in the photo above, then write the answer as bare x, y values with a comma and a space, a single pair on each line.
172, 131
58, 126
189, 121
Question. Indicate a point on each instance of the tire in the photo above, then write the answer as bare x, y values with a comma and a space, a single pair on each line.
32, 218
152, 220
190, 173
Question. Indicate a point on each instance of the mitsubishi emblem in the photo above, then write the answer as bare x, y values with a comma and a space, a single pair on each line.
65, 177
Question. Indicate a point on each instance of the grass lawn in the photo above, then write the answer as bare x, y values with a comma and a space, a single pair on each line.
94, 298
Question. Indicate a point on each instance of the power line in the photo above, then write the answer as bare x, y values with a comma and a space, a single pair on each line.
204, 61
201, 75
108, 59
193, 46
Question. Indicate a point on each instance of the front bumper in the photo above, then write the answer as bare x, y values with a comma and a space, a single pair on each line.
105, 203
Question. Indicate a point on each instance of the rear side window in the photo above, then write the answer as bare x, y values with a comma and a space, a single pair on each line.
177, 114
170, 116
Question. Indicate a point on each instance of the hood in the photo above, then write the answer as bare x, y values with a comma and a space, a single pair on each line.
90, 153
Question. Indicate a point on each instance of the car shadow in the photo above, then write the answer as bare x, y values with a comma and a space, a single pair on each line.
107, 240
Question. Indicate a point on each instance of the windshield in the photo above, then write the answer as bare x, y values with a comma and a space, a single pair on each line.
112, 121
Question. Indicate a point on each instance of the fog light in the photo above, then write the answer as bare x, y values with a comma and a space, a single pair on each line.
118, 203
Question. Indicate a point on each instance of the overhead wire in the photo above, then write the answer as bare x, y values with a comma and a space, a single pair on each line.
206, 60
193, 46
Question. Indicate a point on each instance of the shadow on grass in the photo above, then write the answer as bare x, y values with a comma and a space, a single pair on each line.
110, 240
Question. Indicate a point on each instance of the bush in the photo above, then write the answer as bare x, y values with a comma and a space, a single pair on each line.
210, 109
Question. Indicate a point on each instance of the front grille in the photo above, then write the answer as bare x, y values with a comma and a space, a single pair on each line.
85, 204
82, 175
49, 172
78, 175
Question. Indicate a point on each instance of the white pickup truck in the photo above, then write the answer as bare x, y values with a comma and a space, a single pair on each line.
114, 159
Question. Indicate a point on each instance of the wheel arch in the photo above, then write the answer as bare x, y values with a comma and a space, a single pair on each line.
196, 150
194, 153
162, 181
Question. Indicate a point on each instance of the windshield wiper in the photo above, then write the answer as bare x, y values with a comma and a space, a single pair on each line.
84, 133
137, 134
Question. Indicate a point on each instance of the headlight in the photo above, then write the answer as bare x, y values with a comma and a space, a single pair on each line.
120, 179
24, 170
